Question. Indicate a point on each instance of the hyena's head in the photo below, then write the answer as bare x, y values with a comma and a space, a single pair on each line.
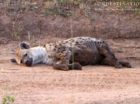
29, 56
22, 54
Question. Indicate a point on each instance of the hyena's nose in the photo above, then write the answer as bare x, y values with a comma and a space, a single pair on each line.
29, 62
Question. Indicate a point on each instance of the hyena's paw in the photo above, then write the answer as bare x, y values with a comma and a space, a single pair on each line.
118, 65
63, 67
125, 64
75, 66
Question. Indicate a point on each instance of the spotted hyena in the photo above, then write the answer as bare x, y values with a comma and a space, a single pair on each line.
69, 54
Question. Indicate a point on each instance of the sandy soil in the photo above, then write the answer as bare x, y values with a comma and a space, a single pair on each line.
93, 85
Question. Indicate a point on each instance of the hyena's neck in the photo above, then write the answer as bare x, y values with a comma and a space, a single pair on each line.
50, 47
39, 54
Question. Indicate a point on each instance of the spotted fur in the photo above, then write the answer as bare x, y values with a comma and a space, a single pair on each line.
76, 52
80, 51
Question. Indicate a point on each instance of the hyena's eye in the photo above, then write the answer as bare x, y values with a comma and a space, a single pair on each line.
25, 55
24, 58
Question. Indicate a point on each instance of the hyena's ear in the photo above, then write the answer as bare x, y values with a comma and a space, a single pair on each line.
24, 45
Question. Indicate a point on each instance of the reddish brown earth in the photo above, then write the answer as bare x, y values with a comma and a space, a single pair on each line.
93, 85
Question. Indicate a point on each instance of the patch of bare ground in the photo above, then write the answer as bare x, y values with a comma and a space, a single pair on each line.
93, 85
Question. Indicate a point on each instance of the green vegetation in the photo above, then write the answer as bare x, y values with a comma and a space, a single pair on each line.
8, 100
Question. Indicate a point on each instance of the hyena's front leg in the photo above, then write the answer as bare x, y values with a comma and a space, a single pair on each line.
67, 67
62, 61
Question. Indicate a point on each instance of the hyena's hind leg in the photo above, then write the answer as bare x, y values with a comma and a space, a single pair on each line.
125, 64
109, 57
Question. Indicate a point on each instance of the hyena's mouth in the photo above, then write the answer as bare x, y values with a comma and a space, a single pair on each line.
13, 60
28, 62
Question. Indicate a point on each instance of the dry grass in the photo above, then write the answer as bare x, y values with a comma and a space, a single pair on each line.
16, 9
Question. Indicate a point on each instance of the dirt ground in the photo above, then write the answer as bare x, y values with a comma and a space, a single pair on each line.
93, 85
